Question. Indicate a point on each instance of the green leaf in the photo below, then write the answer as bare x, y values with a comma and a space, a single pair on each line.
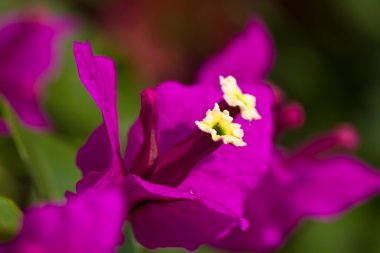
10, 218
50, 162
11, 186
129, 245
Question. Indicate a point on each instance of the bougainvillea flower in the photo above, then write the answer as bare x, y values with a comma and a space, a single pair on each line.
184, 186
313, 181
88, 223
28, 50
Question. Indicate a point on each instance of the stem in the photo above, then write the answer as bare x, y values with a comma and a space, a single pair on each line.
130, 245
38, 171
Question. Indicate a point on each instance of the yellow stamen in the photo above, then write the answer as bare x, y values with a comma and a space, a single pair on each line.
219, 125
234, 97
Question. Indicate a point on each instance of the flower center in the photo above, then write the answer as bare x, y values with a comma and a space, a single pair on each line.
219, 129
219, 124
173, 166
235, 97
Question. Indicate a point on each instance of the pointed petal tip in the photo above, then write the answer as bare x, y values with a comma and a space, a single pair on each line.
257, 28
248, 57
148, 95
257, 22
149, 111
78, 45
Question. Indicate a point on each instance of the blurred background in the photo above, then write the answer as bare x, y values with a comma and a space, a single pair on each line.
328, 59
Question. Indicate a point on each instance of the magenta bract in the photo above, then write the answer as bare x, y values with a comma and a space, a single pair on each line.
29, 46
310, 182
88, 223
183, 189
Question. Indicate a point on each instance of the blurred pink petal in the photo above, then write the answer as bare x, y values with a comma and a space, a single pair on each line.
29, 46
89, 223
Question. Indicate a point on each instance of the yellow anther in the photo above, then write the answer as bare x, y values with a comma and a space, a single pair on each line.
220, 126
234, 97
